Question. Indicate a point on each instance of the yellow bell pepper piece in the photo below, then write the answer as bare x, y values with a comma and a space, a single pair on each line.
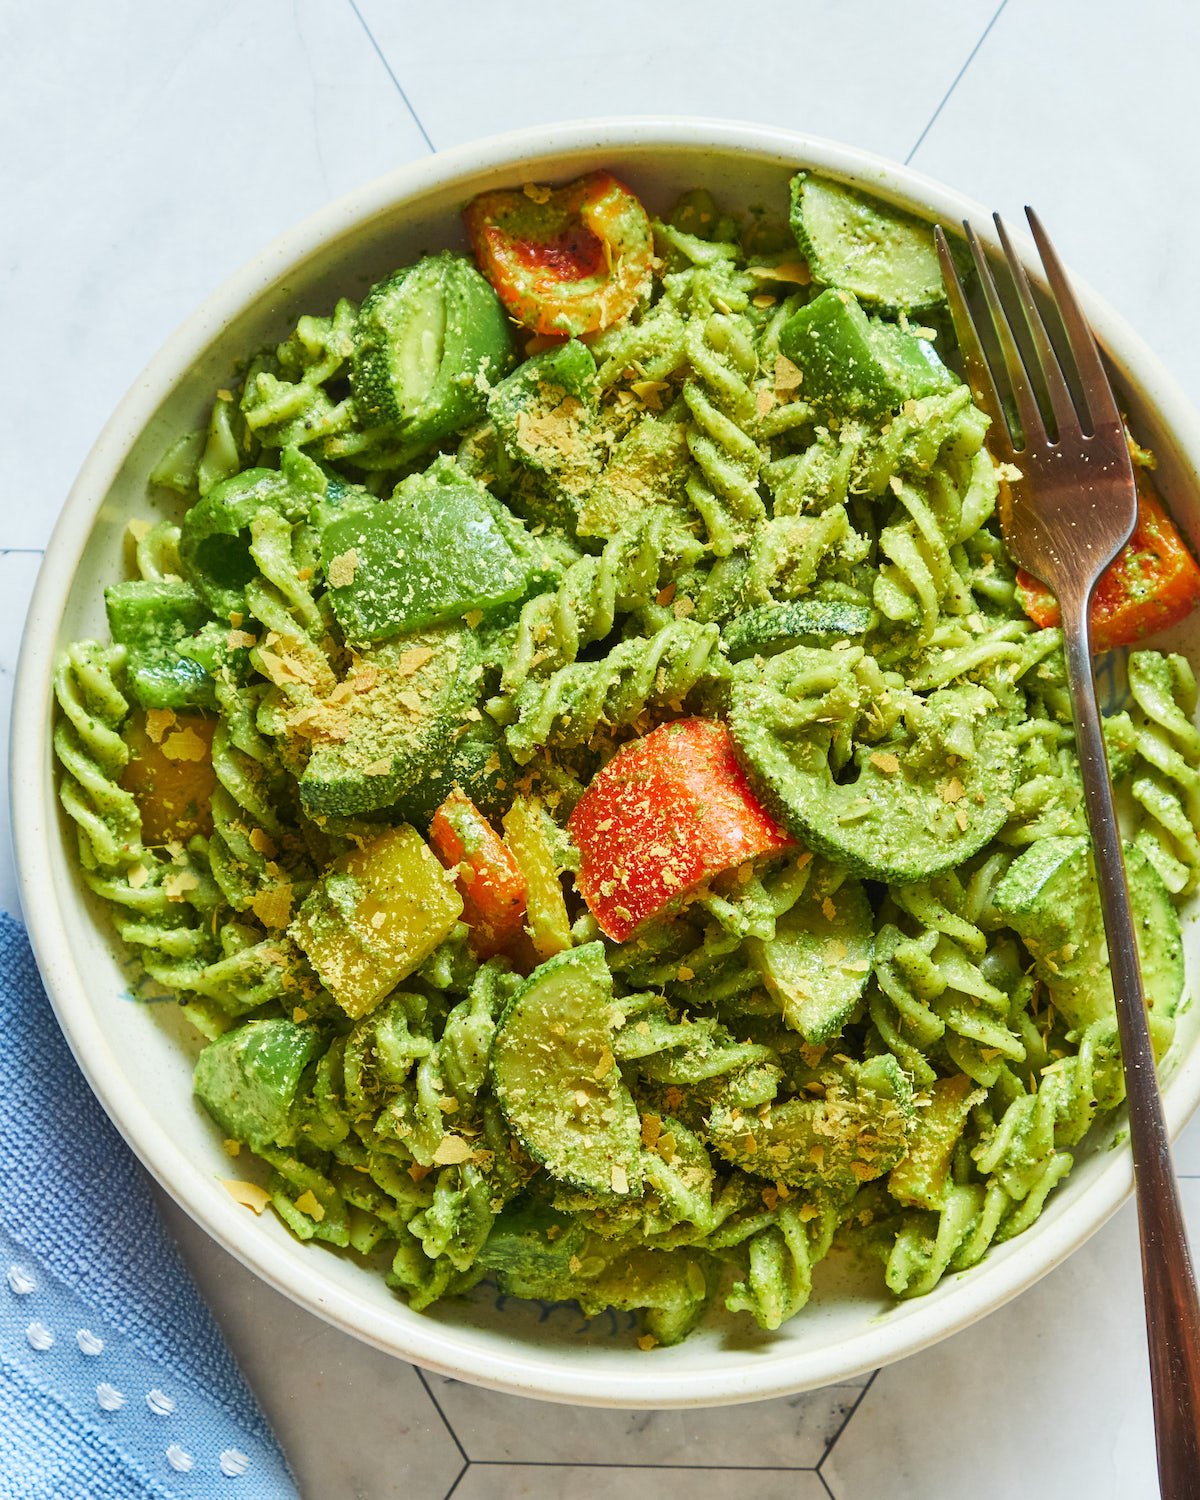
922, 1178
548, 923
379, 912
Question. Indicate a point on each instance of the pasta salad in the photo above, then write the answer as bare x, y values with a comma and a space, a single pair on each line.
581, 756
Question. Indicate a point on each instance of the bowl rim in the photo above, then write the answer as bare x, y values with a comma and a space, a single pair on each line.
518, 1369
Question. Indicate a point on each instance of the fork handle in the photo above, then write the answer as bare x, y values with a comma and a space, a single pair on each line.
1172, 1310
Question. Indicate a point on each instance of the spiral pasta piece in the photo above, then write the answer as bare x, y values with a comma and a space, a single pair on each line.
957, 1235
943, 428
152, 916
1167, 783
999, 658
284, 401
756, 904
554, 627
724, 487
156, 553
931, 993
247, 829
653, 347
1048, 800
89, 747
272, 541
166, 909
686, 1051
919, 579
578, 700
819, 477
779, 1262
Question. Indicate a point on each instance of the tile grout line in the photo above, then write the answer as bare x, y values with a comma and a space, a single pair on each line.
391, 74
574, 1463
825, 1483
956, 81
858, 1401
437, 1406
458, 1479
22, 551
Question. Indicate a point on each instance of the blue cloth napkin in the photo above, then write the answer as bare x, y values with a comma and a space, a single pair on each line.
115, 1382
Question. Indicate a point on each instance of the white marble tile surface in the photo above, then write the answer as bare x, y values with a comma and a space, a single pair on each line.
145, 150
151, 149
1089, 112
822, 66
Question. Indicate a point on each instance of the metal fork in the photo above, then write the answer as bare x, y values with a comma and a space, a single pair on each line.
1064, 519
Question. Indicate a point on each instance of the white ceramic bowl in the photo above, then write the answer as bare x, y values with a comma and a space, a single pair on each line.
138, 1058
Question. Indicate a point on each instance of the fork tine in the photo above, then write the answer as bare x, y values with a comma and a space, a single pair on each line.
1065, 415
1097, 390
979, 374
1018, 378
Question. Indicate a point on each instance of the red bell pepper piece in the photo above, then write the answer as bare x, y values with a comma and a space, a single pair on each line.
491, 885
1152, 582
564, 261
667, 812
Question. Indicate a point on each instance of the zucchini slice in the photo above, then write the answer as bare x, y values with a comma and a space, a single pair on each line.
819, 960
1049, 896
769, 628
556, 1081
399, 725
911, 807
885, 257
429, 341
856, 1130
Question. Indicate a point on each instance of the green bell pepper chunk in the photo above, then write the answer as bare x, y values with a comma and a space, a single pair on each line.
154, 622
539, 387
214, 541
339, 500
248, 1078
438, 549
544, 417
210, 649
859, 365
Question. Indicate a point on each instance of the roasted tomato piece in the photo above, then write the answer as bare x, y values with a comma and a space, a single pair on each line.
489, 880
565, 261
1152, 582
667, 812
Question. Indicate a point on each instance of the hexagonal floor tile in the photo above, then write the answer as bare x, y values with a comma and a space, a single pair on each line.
553, 1482
792, 1432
